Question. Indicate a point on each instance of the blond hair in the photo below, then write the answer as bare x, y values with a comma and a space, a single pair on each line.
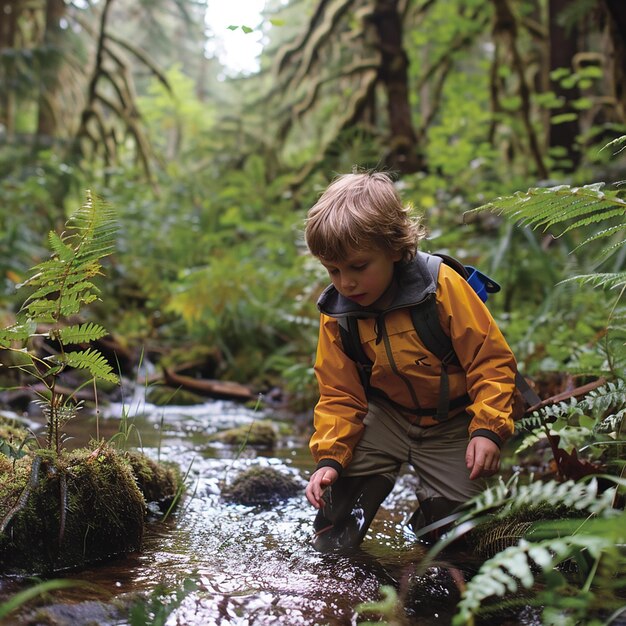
361, 211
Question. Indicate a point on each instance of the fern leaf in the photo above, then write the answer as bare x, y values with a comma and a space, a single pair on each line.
16, 332
93, 361
618, 141
81, 334
72, 303
64, 252
602, 234
546, 207
511, 497
518, 564
615, 280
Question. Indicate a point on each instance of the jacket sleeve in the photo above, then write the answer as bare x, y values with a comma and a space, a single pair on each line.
339, 413
484, 354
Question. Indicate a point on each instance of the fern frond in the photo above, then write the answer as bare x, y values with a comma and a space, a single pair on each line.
81, 334
603, 234
62, 284
618, 141
93, 230
610, 395
517, 565
17, 332
530, 422
605, 281
508, 498
59, 247
93, 361
547, 207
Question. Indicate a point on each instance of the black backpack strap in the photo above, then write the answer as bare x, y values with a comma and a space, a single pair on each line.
528, 393
351, 342
427, 326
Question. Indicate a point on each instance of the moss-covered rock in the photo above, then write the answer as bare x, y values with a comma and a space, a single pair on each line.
259, 435
162, 395
83, 507
262, 486
158, 482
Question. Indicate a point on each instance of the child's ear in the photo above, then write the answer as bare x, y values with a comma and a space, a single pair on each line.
396, 256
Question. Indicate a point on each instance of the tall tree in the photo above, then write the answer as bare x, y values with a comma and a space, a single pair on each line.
563, 42
47, 119
616, 11
348, 49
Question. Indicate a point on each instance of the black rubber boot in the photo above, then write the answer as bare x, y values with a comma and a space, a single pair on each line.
431, 511
351, 504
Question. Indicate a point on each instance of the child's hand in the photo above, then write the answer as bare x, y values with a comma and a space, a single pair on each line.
322, 478
482, 457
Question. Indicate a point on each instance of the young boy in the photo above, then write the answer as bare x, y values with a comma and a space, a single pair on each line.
368, 241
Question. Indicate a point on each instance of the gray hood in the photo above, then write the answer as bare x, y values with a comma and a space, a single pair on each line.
415, 282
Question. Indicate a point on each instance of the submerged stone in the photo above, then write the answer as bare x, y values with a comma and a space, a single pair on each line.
261, 486
255, 435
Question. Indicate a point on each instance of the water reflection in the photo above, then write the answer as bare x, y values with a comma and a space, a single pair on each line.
254, 565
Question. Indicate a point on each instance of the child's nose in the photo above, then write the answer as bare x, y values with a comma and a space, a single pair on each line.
348, 281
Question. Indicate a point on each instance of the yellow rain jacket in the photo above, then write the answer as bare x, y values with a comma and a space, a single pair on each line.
404, 370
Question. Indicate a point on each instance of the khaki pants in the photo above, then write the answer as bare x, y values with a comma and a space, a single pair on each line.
437, 453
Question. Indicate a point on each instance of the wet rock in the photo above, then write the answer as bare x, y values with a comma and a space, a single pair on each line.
65, 511
262, 486
85, 613
84, 506
159, 483
434, 593
259, 435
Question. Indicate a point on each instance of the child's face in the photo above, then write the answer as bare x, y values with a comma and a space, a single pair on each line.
363, 276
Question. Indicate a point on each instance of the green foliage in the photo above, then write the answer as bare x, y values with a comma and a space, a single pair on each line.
160, 604
593, 426
570, 208
588, 217
530, 561
388, 608
38, 589
517, 567
60, 287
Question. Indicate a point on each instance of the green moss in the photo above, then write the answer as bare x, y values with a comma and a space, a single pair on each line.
256, 435
104, 511
261, 486
158, 482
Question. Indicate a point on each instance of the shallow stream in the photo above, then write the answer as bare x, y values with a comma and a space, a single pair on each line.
252, 565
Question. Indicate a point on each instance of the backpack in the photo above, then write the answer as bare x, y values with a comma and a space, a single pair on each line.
428, 328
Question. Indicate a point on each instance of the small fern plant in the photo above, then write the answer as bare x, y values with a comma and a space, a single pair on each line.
61, 286
541, 561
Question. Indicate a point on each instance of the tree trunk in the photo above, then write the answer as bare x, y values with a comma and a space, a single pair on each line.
46, 121
8, 27
616, 10
404, 153
563, 48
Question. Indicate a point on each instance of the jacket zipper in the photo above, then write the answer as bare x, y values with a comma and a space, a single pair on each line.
393, 364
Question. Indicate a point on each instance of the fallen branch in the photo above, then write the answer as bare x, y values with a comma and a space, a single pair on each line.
576, 392
213, 388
